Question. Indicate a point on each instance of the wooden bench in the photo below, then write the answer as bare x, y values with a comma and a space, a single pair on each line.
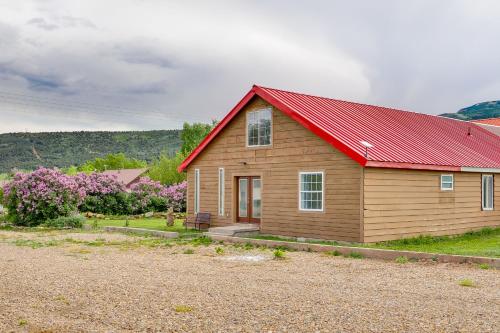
201, 219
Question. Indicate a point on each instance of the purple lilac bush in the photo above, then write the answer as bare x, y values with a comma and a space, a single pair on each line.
99, 184
149, 195
176, 196
44, 194
104, 194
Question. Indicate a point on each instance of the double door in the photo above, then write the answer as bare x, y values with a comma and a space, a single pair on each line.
249, 199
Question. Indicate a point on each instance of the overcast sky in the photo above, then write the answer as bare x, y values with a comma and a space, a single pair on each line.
130, 64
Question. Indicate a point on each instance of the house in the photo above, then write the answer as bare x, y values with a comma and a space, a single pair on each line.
127, 177
491, 124
306, 166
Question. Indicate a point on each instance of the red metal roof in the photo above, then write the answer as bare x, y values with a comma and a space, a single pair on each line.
489, 121
400, 139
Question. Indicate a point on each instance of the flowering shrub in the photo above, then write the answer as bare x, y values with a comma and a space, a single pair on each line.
176, 196
149, 195
99, 184
103, 194
44, 194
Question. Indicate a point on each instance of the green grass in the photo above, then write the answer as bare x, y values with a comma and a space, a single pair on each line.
183, 308
484, 243
355, 255
466, 283
286, 239
145, 223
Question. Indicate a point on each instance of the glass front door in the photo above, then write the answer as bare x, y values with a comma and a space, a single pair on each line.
249, 199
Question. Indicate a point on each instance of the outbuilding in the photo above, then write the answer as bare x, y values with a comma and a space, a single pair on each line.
306, 166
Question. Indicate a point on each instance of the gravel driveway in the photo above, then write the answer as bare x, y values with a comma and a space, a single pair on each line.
77, 287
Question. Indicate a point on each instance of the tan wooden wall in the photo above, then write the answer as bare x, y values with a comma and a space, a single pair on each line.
406, 203
294, 149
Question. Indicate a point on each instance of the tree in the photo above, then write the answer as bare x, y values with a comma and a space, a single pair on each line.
164, 169
112, 162
192, 134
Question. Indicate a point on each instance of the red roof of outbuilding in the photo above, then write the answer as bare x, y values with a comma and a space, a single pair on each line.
489, 121
126, 176
400, 139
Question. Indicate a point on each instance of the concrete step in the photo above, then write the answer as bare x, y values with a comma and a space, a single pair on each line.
235, 229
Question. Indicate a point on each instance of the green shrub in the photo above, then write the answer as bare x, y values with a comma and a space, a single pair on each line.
402, 260
279, 254
188, 251
335, 253
75, 221
484, 266
108, 204
219, 250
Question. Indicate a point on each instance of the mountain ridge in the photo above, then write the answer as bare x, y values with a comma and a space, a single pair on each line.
483, 110
24, 150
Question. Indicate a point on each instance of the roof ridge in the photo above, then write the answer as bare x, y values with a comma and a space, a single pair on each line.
357, 103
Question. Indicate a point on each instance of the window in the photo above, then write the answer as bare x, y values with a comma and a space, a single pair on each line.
446, 182
221, 191
311, 191
259, 128
487, 192
196, 191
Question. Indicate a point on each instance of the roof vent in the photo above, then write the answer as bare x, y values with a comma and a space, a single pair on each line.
367, 145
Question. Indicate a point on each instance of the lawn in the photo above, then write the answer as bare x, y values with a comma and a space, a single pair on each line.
483, 243
145, 223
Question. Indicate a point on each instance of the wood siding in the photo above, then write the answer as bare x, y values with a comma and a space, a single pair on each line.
293, 149
407, 203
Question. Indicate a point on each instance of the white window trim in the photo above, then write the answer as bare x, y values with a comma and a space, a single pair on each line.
271, 133
322, 191
196, 191
221, 191
482, 193
452, 182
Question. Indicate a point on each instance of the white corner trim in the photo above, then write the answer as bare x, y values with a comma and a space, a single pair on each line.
485, 170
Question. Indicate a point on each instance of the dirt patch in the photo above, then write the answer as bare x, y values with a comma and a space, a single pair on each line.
84, 288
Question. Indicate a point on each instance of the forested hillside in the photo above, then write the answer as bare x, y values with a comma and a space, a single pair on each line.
477, 111
63, 149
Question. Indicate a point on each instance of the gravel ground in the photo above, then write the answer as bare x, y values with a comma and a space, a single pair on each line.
74, 287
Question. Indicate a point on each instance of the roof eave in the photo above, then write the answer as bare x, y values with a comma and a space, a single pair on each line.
216, 130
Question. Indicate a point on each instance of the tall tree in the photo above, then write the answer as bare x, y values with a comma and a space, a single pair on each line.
192, 134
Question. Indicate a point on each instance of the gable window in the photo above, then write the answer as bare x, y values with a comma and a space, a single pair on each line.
196, 191
259, 128
221, 191
487, 192
311, 191
446, 182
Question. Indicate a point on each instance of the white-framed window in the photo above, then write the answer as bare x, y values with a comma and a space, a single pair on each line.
446, 182
259, 128
311, 191
221, 191
487, 190
196, 191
